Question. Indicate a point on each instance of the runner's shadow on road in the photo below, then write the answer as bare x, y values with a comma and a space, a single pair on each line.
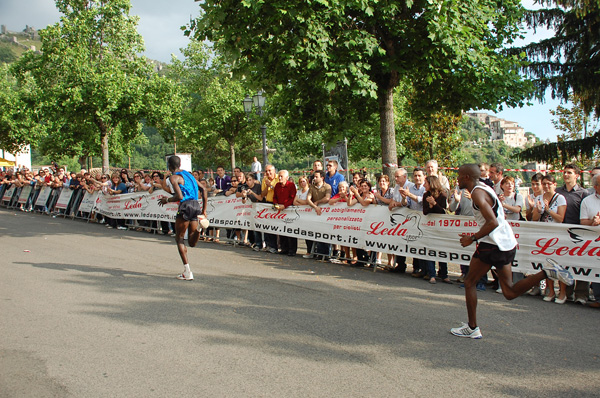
116, 272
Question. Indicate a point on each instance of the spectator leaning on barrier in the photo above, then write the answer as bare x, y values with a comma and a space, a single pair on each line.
356, 177
383, 197
512, 202
590, 215
401, 179
435, 202
117, 187
413, 198
319, 193
268, 191
301, 192
496, 175
365, 197
283, 197
551, 207
341, 197
253, 192
574, 194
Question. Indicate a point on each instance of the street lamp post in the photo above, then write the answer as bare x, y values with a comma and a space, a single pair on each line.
258, 102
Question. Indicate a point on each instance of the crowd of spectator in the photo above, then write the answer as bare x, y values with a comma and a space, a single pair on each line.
430, 191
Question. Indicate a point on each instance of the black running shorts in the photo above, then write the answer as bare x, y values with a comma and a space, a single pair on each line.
492, 255
189, 210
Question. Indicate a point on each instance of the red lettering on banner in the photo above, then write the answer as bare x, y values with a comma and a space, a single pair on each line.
376, 229
545, 249
266, 214
580, 251
135, 205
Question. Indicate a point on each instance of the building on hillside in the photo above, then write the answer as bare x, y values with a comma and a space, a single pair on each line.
509, 132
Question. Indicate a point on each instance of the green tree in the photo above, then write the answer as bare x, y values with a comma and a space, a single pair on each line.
19, 122
94, 88
338, 59
568, 62
216, 126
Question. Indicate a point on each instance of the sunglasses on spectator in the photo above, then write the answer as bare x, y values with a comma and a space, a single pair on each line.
103, 177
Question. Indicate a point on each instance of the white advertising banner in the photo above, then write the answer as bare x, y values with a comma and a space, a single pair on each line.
229, 212
433, 237
63, 199
401, 231
8, 194
24, 195
136, 206
43, 196
88, 201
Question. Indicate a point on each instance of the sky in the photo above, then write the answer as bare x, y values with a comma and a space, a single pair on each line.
160, 23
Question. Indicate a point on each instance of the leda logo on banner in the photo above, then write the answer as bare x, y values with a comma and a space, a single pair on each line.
401, 225
139, 203
585, 244
287, 217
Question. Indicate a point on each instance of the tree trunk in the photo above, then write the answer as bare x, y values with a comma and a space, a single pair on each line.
104, 138
232, 154
387, 130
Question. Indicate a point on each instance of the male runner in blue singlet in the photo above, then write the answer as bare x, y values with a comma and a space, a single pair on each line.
184, 188
496, 246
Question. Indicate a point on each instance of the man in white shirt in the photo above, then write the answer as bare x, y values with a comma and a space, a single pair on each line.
590, 215
401, 178
431, 166
496, 175
256, 168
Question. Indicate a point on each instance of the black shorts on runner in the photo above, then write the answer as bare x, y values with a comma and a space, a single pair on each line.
189, 210
492, 255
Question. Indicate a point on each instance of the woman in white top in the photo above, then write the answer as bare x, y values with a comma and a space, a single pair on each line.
302, 192
551, 207
512, 201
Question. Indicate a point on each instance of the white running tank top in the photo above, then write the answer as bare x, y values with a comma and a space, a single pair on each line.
503, 235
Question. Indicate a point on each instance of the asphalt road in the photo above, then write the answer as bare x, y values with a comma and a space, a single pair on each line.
90, 312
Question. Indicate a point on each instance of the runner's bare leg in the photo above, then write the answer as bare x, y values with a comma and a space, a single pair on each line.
477, 269
180, 227
193, 233
511, 291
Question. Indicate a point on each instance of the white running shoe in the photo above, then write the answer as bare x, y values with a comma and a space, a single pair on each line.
557, 272
184, 277
466, 331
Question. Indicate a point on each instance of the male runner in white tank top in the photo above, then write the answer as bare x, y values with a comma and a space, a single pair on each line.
496, 247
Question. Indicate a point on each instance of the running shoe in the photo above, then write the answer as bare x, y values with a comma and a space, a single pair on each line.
184, 277
557, 272
122, 228
466, 331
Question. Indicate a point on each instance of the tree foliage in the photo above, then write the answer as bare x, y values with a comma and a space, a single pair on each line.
578, 142
338, 62
19, 121
568, 62
94, 89
216, 129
